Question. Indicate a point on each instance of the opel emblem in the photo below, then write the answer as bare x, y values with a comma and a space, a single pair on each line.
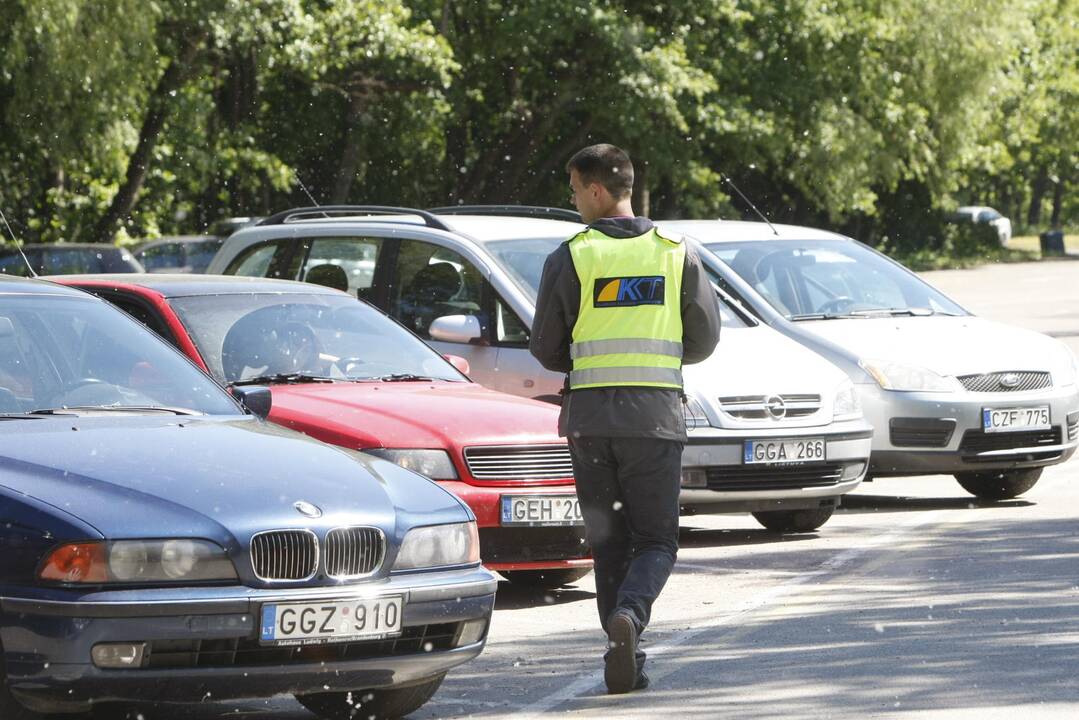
1009, 380
306, 508
775, 406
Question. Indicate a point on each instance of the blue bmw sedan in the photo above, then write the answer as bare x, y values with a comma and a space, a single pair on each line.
160, 542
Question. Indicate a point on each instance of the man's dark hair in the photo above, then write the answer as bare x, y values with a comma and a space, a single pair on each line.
607, 165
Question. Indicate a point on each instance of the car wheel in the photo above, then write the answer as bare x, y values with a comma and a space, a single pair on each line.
999, 485
381, 704
794, 521
545, 578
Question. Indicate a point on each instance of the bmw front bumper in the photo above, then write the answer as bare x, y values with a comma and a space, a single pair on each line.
921, 433
735, 486
207, 633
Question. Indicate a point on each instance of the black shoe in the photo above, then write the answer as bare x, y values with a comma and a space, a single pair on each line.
620, 673
642, 681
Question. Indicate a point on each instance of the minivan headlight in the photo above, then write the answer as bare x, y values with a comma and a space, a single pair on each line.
435, 464
180, 560
910, 378
695, 414
846, 405
435, 545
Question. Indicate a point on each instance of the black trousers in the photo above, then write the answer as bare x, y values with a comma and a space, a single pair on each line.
628, 490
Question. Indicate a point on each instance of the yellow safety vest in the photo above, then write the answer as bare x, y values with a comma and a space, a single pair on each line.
629, 327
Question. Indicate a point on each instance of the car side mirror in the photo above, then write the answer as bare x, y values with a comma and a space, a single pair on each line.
460, 363
456, 328
256, 399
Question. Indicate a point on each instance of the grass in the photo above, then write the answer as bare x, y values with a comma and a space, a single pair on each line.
933, 260
1030, 243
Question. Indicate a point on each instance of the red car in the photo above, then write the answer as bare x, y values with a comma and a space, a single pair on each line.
343, 372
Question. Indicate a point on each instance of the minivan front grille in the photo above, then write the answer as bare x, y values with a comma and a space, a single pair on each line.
519, 462
976, 441
749, 478
1006, 381
284, 554
354, 551
766, 407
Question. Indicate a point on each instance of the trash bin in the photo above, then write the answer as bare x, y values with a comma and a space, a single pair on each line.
1052, 242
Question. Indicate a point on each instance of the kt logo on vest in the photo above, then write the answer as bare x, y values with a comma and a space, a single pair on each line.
628, 291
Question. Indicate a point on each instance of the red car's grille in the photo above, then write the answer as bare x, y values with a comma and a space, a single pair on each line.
519, 462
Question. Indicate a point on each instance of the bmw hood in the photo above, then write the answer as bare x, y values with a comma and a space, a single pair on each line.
139, 476
950, 346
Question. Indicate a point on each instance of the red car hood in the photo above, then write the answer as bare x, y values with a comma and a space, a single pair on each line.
439, 414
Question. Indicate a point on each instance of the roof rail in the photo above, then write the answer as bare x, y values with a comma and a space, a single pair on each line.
531, 211
325, 211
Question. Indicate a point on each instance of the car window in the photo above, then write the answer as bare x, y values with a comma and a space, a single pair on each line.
259, 261
200, 254
510, 329
344, 264
828, 276
167, 255
69, 261
430, 281
11, 263
68, 352
985, 216
523, 260
248, 335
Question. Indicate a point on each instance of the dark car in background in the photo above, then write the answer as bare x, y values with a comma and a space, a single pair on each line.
67, 259
162, 544
178, 253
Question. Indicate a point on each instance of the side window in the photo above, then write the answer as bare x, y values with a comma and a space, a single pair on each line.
68, 261
264, 260
431, 281
344, 263
511, 330
143, 314
169, 255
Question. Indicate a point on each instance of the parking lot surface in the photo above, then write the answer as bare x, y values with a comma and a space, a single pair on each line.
915, 600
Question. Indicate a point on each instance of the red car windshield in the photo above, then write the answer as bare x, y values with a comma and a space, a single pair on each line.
248, 336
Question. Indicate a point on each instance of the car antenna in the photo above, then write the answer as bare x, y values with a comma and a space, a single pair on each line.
18, 245
749, 202
308, 193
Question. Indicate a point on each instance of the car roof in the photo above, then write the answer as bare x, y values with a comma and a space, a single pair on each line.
167, 239
186, 285
16, 285
710, 231
65, 246
488, 228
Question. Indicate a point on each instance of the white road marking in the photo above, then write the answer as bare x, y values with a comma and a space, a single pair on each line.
592, 680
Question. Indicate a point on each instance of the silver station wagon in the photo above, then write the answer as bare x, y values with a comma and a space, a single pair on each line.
775, 429
946, 391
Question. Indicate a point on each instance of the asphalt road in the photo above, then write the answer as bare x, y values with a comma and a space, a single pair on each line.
913, 601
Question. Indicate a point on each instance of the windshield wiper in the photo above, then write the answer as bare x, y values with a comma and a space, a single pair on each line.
279, 378
404, 377
820, 316
893, 312
76, 409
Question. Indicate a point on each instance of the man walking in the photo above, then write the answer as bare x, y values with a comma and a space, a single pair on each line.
621, 306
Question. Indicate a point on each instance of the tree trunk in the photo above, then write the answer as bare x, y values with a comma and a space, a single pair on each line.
1058, 203
350, 155
152, 124
1037, 192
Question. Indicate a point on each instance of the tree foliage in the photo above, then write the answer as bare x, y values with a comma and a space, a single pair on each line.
123, 119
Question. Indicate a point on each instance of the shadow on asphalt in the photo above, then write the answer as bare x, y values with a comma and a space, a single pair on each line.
517, 597
862, 503
690, 537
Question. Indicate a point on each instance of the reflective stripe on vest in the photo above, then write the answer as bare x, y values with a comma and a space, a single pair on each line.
629, 323
631, 345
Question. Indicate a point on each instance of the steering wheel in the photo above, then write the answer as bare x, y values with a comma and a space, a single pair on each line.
836, 304
297, 349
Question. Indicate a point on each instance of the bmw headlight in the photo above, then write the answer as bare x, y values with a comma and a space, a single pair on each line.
910, 378
138, 561
439, 545
694, 413
845, 406
435, 464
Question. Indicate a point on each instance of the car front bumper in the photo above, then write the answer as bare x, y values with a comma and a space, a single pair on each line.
207, 641
522, 547
941, 433
733, 486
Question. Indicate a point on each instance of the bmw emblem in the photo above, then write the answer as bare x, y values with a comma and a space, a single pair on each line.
306, 508
1009, 380
776, 408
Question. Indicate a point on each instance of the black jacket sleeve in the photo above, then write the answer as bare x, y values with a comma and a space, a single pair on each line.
557, 306
700, 310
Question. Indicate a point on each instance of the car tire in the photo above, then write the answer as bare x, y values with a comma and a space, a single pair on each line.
1000, 484
380, 704
794, 521
545, 578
